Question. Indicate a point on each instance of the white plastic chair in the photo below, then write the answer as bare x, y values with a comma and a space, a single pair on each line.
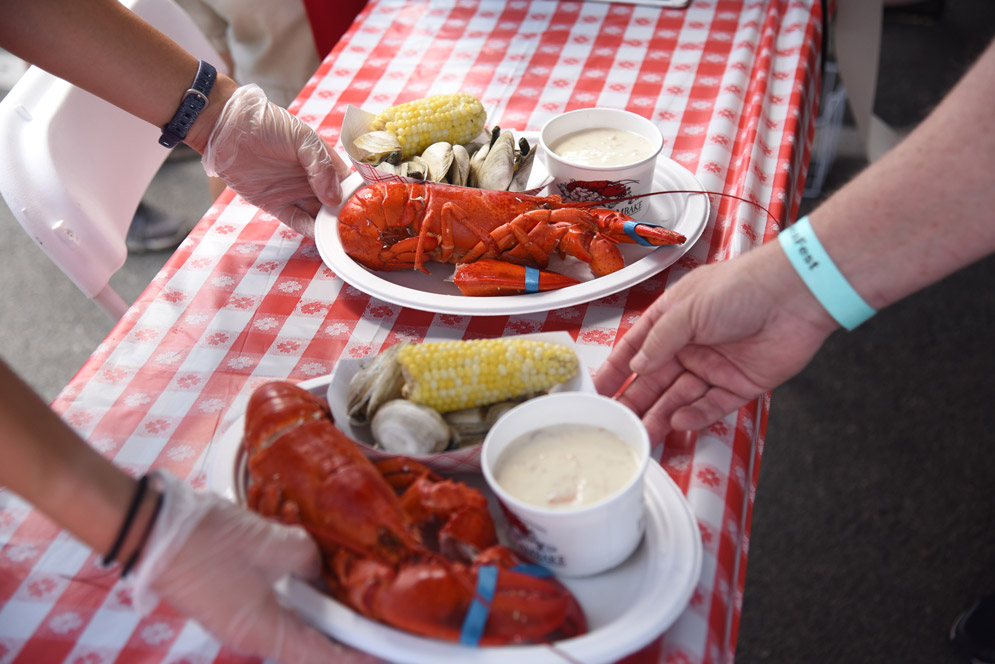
75, 167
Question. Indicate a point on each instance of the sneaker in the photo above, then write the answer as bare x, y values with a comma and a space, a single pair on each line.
973, 633
155, 230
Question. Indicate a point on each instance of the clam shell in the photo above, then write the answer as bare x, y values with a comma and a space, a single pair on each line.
437, 158
375, 384
460, 170
404, 427
482, 139
470, 425
413, 168
477, 165
498, 167
523, 169
378, 146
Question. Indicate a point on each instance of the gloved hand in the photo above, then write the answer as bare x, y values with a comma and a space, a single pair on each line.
273, 160
216, 563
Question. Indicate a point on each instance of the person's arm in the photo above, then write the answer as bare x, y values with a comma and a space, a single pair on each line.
104, 48
268, 156
46, 463
728, 332
213, 561
925, 209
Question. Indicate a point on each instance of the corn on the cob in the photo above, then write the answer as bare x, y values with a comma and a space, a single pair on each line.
456, 118
452, 375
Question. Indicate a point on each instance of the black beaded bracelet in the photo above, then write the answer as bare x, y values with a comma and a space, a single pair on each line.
194, 101
129, 516
145, 536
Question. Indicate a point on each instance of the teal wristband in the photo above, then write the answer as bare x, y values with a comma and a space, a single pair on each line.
821, 275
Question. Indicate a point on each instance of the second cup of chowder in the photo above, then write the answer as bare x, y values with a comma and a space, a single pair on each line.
600, 154
540, 491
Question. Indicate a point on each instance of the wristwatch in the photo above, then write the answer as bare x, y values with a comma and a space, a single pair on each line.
194, 101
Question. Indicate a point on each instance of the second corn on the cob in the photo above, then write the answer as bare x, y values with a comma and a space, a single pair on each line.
455, 118
452, 375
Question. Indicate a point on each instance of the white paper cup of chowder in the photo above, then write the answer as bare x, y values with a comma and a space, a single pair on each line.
567, 469
596, 154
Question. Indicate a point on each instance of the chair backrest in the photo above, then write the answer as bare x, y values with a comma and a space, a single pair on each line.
75, 167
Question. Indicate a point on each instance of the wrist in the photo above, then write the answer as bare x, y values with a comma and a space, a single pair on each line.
136, 518
822, 277
790, 292
224, 87
138, 534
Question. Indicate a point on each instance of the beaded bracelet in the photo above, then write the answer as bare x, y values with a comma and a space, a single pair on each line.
821, 275
129, 516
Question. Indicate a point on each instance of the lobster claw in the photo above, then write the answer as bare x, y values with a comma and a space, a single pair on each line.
489, 276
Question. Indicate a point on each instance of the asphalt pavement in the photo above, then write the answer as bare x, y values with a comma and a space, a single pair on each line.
874, 520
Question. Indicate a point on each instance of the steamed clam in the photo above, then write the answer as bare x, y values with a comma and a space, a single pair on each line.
498, 166
405, 427
374, 385
470, 425
377, 147
492, 161
460, 169
438, 158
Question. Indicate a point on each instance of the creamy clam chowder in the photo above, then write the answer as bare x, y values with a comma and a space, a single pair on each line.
566, 466
602, 147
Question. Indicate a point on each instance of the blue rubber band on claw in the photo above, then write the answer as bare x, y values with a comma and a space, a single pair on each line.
630, 229
531, 280
476, 616
532, 569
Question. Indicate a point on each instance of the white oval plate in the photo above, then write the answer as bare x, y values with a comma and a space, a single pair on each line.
626, 607
435, 292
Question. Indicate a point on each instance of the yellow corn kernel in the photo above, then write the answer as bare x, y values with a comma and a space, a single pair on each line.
455, 118
452, 375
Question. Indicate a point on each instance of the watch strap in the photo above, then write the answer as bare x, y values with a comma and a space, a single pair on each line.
194, 101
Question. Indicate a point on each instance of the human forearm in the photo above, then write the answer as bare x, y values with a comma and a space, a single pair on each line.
47, 464
101, 46
926, 208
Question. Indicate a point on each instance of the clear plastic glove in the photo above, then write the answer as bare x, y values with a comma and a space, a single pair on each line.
273, 160
216, 563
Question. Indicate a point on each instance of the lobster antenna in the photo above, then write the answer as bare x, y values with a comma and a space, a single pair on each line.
676, 191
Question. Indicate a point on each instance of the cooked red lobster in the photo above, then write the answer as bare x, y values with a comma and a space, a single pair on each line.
401, 545
401, 225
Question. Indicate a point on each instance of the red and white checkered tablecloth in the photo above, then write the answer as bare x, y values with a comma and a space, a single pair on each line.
731, 83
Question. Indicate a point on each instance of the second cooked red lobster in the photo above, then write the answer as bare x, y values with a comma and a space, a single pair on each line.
401, 226
401, 545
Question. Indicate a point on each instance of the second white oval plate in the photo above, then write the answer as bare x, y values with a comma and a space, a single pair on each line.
435, 292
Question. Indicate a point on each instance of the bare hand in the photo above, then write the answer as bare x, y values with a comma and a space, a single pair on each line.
722, 336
